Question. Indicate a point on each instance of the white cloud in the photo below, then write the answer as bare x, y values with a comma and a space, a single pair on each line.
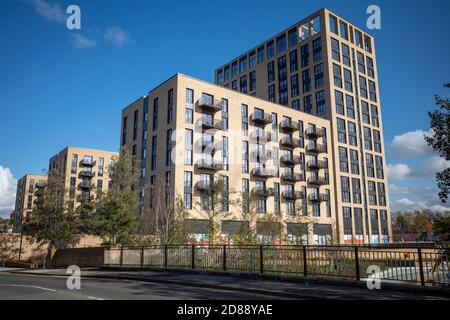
8, 187
50, 11
410, 145
81, 42
117, 36
399, 171
416, 197
426, 169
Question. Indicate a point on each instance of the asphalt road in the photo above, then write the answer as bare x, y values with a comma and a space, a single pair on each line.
37, 287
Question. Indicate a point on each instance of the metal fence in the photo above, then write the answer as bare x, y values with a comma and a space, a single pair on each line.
410, 265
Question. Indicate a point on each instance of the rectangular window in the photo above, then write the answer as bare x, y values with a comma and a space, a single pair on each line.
350, 106
372, 91
343, 159
244, 118
101, 166
361, 63
292, 35
348, 80
320, 104
74, 163
363, 87
170, 106
155, 114
367, 138
339, 100
294, 86
318, 76
365, 112
270, 50
379, 167
169, 147
270, 72
333, 24
243, 64
252, 60
189, 110
375, 121
252, 81
346, 55
304, 53
337, 74
243, 84
234, 69
245, 157
335, 51
188, 143
187, 199
342, 137
154, 151
293, 61
317, 49
220, 77
227, 73
370, 68
261, 54
245, 195
272, 94
135, 124
281, 44
352, 139
306, 78
307, 104
343, 30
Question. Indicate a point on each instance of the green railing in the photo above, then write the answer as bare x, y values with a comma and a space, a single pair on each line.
411, 265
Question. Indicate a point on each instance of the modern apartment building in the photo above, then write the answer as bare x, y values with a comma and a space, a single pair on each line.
188, 134
326, 67
29, 191
85, 172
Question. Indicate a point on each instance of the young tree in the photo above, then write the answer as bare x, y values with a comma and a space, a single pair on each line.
164, 219
115, 217
215, 201
53, 220
422, 224
440, 141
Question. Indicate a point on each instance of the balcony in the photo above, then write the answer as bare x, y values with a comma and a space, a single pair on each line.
292, 177
314, 132
208, 124
290, 160
41, 184
87, 174
289, 142
205, 186
292, 195
82, 198
260, 136
209, 105
85, 185
208, 165
318, 197
316, 148
316, 164
317, 181
288, 126
87, 163
263, 192
261, 119
206, 143
262, 155
263, 173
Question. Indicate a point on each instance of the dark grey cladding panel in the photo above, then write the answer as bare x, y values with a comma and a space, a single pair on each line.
197, 226
322, 229
234, 227
297, 228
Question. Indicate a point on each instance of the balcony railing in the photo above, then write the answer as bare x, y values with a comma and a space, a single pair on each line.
87, 174
261, 119
263, 172
261, 136
41, 184
85, 185
289, 126
289, 142
81, 198
290, 160
208, 165
292, 195
261, 154
314, 132
204, 185
318, 197
263, 192
208, 124
87, 162
316, 164
317, 181
209, 105
316, 148
294, 177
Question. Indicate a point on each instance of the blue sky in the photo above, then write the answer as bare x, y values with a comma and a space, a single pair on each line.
51, 75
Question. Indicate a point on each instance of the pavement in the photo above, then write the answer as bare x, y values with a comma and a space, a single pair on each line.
145, 284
